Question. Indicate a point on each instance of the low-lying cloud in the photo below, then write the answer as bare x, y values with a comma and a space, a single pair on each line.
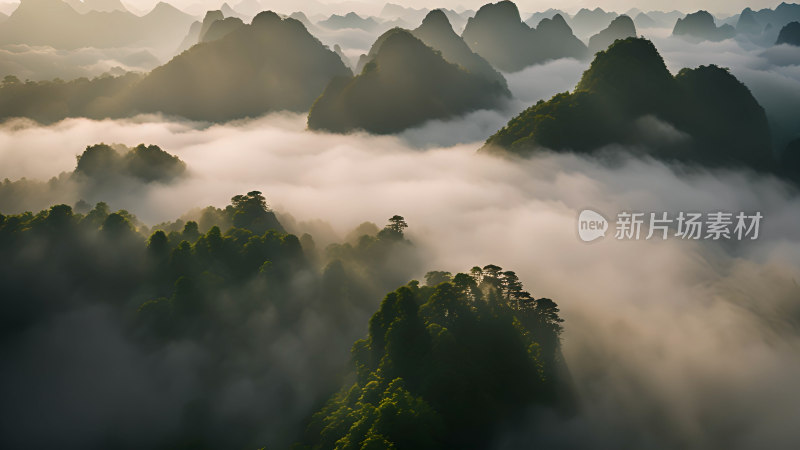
670, 344
46, 63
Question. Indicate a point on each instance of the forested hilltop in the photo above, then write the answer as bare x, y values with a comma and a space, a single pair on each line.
227, 331
446, 365
102, 170
212, 328
628, 97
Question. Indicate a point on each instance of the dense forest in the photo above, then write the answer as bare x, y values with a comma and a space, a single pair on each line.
236, 287
445, 365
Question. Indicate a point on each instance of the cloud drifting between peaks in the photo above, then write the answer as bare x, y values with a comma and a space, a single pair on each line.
670, 343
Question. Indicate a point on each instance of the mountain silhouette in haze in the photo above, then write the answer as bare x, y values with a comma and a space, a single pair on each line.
763, 26
400, 14
664, 19
192, 37
96, 5
748, 24
300, 16
790, 34
700, 26
620, 28
405, 84
779, 17
498, 34
51, 101
395, 11
56, 24
273, 64
437, 33
349, 20
215, 25
230, 12
642, 20
221, 28
270, 65
628, 97
590, 21
210, 18
537, 17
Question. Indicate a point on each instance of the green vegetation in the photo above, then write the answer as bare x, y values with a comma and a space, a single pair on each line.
444, 364
230, 299
253, 303
146, 163
51, 101
703, 115
109, 169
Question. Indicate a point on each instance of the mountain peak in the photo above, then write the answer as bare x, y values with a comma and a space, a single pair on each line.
505, 11
37, 6
622, 22
213, 15
436, 19
700, 25
620, 28
612, 73
405, 84
558, 18
555, 25
790, 34
163, 6
266, 18
700, 17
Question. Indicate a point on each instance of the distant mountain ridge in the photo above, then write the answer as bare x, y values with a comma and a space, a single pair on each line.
270, 65
57, 24
437, 32
628, 97
498, 34
273, 64
587, 22
700, 26
790, 34
349, 20
620, 28
404, 84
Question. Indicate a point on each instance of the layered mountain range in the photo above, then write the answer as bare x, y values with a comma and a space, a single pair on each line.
629, 98
407, 78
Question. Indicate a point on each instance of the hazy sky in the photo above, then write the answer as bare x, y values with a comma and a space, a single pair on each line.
671, 344
571, 6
